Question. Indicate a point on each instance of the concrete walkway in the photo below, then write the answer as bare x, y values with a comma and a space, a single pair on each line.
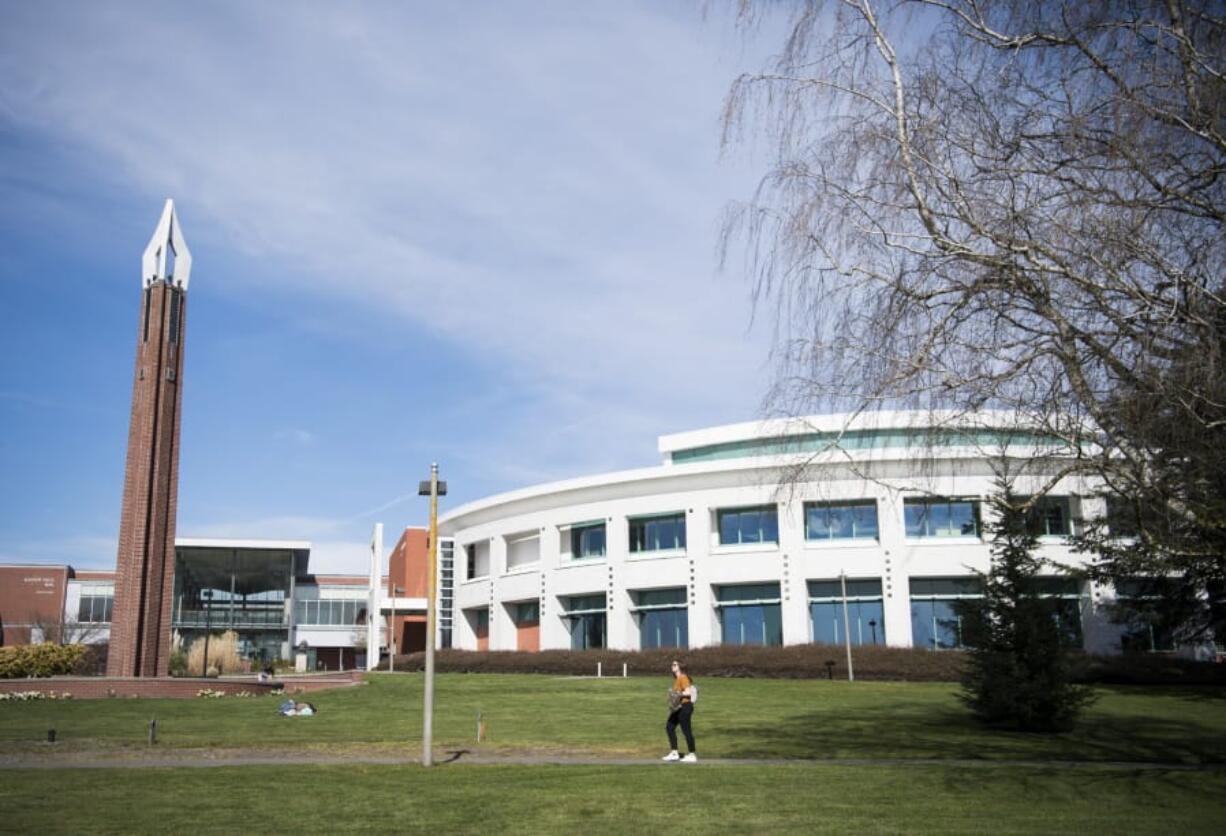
203, 758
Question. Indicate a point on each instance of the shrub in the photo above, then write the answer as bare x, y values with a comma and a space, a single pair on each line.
177, 664
806, 661
223, 656
47, 659
93, 660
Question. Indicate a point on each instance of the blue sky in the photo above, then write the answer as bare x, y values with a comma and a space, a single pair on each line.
479, 234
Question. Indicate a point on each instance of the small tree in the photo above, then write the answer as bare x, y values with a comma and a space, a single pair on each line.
1018, 672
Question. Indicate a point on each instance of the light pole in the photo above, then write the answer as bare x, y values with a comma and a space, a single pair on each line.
433, 489
851, 675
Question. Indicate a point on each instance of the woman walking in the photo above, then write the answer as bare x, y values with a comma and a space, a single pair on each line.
681, 698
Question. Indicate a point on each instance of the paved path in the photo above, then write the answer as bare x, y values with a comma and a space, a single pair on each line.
195, 759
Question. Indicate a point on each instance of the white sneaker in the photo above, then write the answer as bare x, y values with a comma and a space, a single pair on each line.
671, 756
690, 758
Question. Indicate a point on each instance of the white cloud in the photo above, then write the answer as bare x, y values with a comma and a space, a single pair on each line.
81, 551
538, 186
296, 435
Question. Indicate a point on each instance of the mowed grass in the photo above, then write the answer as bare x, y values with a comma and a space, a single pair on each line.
735, 718
635, 799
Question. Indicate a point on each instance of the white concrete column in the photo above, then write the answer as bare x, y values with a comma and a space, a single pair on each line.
895, 589
794, 601
702, 625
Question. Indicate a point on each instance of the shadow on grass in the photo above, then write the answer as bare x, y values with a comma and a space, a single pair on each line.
950, 731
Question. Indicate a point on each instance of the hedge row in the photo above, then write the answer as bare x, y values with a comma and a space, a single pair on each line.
47, 659
807, 661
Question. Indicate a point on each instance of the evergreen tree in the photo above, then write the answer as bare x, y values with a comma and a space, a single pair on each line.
1018, 673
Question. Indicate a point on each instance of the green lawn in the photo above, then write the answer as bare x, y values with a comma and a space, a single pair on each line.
735, 718
646, 799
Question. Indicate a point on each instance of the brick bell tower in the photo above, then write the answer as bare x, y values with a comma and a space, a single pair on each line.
145, 567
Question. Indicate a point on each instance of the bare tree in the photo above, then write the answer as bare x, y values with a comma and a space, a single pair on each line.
1012, 204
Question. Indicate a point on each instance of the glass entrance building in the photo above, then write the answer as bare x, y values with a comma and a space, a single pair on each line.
247, 589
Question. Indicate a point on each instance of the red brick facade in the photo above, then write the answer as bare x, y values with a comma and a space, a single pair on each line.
406, 578
31, 598
144, 570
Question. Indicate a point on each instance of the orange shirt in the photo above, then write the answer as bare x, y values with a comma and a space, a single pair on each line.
682, 683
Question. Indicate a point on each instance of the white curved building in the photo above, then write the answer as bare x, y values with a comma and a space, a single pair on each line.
707, 548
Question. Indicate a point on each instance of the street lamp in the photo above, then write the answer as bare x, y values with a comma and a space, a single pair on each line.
433, 489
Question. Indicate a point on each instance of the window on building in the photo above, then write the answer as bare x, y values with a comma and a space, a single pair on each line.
665, 532
938, 607
527, 613
750, 614
329, 612
446, 590
587, 540
1147, 625
481, 626
1121, 517
840, 521
941, 517
523, 550
95, 608
739, 526
478, 559
865, 617
1064, 597
585, 618
663, 617
1051, 516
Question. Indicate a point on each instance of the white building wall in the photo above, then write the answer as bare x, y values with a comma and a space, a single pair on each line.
700, 490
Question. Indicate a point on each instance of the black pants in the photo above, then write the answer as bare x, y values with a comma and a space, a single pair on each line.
681, 715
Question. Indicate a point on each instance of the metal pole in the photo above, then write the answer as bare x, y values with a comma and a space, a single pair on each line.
851, 675
208, 628
427, 732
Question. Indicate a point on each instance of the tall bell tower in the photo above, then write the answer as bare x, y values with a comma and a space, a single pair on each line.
144, 577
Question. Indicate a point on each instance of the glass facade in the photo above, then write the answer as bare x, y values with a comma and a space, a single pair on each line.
875, 439
1146, 628
1121, 517
738, 526
1066, 601
587, 541
750, 614
446, 594
330, 612
941, 517
1051, 516
240, 589
865, 621
937, 609
95, 608
659, 533
840, 521
585, 617
663, 618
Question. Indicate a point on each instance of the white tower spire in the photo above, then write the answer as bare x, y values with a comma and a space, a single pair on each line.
167, 237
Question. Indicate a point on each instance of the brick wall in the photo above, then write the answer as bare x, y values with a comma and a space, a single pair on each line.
144, 570
100, 687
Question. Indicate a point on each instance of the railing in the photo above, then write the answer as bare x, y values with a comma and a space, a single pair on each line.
232, 618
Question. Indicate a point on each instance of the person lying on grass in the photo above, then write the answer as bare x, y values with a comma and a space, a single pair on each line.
289, 708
